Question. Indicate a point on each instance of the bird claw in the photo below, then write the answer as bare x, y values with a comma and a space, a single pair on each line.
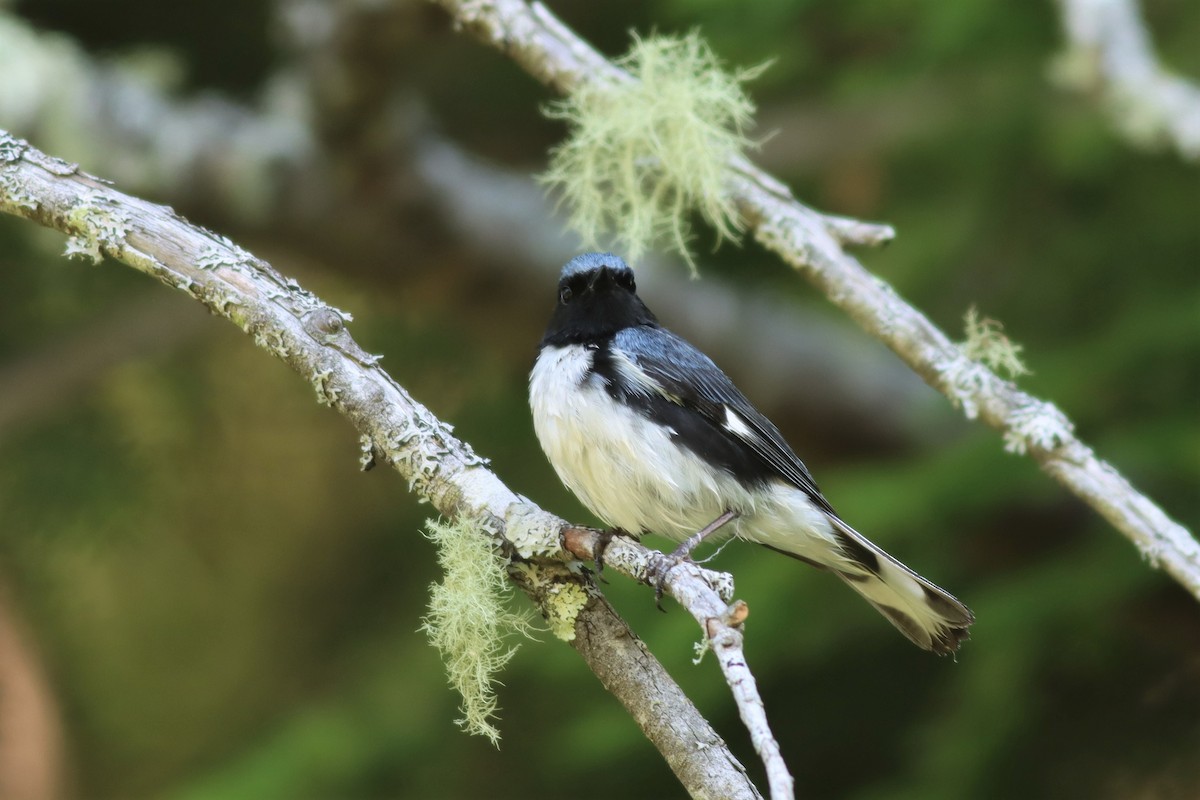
604, 538
660, 567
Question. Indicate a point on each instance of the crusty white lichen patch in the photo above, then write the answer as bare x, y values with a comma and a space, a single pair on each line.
100, 226
416, 448
532, 531
13, 193
271, 340
326, 394
366, 452
1036, 425
11, 148
418, 445
227, 254
965, 380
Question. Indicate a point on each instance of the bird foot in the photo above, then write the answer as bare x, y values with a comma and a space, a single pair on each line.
604, 537
663, 564
660, 566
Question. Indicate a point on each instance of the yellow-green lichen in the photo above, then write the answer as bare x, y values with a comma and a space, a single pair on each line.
469, 621
987, 344
560, 596
564, 601
643, 155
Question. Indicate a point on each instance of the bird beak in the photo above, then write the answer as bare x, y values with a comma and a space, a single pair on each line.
600, 273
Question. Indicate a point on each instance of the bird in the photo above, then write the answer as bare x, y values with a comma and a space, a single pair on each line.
653, 437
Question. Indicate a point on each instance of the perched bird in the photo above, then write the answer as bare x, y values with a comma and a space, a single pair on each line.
654, 438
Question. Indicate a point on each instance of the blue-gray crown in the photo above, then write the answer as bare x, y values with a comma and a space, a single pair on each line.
590, 262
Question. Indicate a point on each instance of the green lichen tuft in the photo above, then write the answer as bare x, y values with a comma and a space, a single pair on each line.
987, 344
469, 621
643, 155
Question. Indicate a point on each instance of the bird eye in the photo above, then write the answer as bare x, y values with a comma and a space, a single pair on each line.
565, 294
625, 280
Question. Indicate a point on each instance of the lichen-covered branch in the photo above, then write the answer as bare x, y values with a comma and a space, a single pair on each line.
311, 337
812, 243
1110, 54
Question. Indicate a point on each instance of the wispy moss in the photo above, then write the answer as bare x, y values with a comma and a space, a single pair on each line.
987, 343
643, 155
469, 621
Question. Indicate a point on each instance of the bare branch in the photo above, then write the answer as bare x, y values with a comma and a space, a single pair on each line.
311, 337
811, 242
1110, 53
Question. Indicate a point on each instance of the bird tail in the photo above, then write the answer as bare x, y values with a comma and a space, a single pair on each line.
931, 618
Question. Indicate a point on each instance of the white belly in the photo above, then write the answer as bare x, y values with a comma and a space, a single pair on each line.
623, 467
629, 472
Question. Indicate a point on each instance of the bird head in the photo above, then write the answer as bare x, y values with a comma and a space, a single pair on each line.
597, 296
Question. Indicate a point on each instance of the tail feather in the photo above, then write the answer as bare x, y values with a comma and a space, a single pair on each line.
931, 618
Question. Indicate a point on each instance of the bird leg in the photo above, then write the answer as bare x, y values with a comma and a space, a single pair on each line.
692, 542
684, 552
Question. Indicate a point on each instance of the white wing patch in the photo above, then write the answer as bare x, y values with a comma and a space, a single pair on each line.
737, 426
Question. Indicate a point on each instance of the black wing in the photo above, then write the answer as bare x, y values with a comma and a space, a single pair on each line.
659, 363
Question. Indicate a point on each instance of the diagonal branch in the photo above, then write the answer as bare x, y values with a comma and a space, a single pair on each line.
1111, 54
311, 337
812, 243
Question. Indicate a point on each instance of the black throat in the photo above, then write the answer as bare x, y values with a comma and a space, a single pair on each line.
594, 314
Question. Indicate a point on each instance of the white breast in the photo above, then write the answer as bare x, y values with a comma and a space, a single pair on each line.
622, 466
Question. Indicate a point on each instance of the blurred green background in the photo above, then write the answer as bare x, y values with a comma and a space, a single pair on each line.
213, 602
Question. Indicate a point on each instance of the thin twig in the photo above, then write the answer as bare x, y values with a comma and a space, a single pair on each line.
811, 242
311, 337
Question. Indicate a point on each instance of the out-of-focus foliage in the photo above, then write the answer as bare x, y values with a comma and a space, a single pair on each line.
228, 608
